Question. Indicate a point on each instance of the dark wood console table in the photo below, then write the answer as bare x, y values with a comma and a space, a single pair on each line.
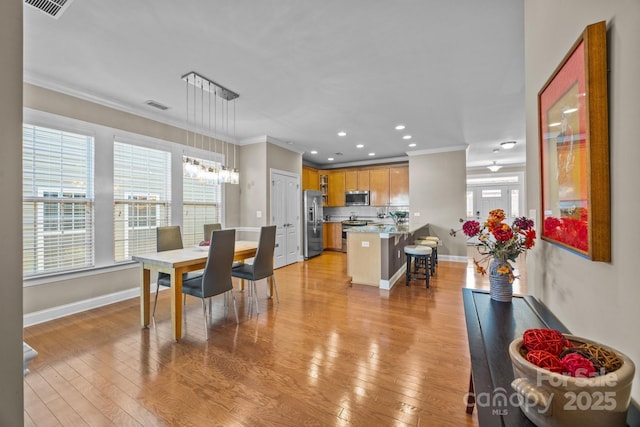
491, 326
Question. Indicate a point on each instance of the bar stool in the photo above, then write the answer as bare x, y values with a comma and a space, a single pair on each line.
420, 256
435, 239
434, 252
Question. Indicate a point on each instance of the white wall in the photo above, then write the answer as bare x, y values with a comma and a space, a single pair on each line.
596, 300
11, 390
437, 189
253, 187
256, 162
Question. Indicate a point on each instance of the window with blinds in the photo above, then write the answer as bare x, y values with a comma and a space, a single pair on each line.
201, 200
142, 198
58, 201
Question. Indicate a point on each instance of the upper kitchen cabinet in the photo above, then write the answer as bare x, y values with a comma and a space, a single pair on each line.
399, 186
310, 178
356, 180
335, 188
379, 187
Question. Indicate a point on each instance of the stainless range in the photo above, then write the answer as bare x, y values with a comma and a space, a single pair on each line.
347, 225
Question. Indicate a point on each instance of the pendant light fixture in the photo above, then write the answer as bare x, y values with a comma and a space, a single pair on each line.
494, 167
234, 175
191, 167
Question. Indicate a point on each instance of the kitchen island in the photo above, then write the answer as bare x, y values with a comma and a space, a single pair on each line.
375, 253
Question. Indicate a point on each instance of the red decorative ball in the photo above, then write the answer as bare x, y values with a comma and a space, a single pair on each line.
544, 339
546, 360
577, 365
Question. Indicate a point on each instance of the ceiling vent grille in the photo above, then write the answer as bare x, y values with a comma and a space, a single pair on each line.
156, 104
53, 8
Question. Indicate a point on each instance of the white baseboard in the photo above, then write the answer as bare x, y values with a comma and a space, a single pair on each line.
453, 258
388, 284
77, 307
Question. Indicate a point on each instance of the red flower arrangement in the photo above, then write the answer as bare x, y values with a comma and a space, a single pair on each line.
499, 240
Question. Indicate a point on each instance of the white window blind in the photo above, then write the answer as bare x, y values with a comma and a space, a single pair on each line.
58, 201
200, 203
142, 198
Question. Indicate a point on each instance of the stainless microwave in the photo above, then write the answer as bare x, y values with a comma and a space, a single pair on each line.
356, 198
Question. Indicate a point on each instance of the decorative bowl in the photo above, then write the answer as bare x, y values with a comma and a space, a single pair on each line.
551, 399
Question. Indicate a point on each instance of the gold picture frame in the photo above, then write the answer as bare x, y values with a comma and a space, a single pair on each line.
574, 149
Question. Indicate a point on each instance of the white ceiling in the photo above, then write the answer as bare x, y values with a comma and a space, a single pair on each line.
452, 71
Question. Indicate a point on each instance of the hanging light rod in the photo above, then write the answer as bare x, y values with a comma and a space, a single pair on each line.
201, 81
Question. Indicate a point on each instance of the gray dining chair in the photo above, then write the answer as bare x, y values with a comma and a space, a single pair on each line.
169, 238
262, 266
216, 278
208, 228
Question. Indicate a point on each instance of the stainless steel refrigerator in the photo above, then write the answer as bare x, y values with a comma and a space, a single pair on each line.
312, 223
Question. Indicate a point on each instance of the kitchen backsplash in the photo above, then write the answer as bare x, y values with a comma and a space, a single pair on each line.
378, 214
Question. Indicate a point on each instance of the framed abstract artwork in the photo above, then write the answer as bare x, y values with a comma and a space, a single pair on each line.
574, 149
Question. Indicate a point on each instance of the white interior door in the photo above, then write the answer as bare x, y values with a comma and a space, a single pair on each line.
293, 209
506, 197
285, 215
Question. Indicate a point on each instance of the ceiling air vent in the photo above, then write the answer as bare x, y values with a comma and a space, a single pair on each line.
156, 104
53, 8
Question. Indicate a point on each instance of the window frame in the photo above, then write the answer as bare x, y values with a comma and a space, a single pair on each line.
40, 201
103, 201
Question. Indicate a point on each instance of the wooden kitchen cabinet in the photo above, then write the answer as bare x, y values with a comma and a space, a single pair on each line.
379, 187
332, 236
399, 186
325, 235
335, 188
351, 180
310, 178
387, 185
363, 179
356, 180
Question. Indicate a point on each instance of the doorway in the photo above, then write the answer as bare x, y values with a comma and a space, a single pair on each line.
285, 215
489, 192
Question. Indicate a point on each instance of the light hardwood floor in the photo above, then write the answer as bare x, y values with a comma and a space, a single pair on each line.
330, 354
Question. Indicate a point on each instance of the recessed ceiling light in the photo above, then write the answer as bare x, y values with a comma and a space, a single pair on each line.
314, 152
330, 159
400, 127
372, 154
342, 133
508, 145
496, 150
406, 137
359, 145
413, 144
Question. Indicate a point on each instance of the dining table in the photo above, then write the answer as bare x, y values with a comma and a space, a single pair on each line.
176, 263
